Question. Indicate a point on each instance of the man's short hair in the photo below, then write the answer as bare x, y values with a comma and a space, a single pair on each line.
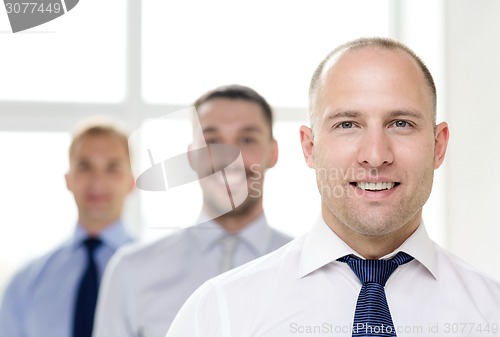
98, 126
235, 91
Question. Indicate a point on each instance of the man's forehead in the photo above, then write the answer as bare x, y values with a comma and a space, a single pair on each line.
99, 144
366, 61
238, 126
362, 67
230, 109
230, 117
228, 120
361, 56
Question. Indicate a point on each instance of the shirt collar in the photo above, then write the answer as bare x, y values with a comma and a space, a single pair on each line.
323, 246
422, 248
206, 234
112, 236
256, 235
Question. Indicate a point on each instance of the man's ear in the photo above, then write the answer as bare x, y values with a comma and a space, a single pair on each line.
442, 134
307, 142
68, 181
274, 153
132, 183
190, 159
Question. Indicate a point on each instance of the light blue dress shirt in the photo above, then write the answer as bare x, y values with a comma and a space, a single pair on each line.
40, 298
145, 286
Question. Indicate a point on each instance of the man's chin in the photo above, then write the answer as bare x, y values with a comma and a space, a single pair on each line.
99, 216
217, 210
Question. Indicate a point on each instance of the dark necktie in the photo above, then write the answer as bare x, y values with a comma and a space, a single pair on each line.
86, 296
372, 316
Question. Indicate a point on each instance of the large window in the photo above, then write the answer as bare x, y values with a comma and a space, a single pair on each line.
79, 60
37, 210
272, 46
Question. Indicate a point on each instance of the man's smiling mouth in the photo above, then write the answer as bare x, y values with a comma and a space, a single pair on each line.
375, 186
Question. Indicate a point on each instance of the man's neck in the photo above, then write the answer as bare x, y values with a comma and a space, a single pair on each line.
373, 246
233, 222
94, 227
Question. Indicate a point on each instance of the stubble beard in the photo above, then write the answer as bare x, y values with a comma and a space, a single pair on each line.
215, 208
370, 221
245, 208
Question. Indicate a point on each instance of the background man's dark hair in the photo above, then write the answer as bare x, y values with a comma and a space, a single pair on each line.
235, 91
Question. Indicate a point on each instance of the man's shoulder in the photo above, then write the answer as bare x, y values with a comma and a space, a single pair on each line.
280, 238
157, 250
251, 282
474, 278
271, 268
32, 271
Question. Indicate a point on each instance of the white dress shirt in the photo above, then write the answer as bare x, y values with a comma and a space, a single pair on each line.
145, 287
301, 290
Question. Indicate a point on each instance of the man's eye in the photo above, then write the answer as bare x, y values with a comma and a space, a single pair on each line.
401, 124
83, 166
345, 125
113, 168
247, 140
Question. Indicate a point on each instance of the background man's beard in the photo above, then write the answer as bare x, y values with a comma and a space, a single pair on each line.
244, 208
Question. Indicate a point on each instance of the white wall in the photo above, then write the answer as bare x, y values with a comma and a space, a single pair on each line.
464, 58
472, 35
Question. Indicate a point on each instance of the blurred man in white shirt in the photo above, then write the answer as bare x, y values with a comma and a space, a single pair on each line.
145, 287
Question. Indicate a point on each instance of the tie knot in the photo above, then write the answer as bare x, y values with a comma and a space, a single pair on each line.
229, 243
91, 244
375, 271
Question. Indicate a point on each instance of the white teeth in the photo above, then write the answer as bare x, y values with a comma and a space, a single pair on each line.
375, 186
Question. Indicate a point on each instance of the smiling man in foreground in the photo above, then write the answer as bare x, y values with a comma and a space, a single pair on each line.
367, 267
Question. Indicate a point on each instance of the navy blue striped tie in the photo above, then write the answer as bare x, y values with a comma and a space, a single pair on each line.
86, 297
372, 316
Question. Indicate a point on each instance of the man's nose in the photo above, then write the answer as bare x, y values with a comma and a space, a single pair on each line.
98, 178
375, 149
223, 155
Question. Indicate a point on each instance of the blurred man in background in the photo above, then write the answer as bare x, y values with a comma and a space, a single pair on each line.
55, 295
144, 287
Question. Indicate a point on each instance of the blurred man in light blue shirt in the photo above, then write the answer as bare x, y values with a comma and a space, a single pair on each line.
41, 299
